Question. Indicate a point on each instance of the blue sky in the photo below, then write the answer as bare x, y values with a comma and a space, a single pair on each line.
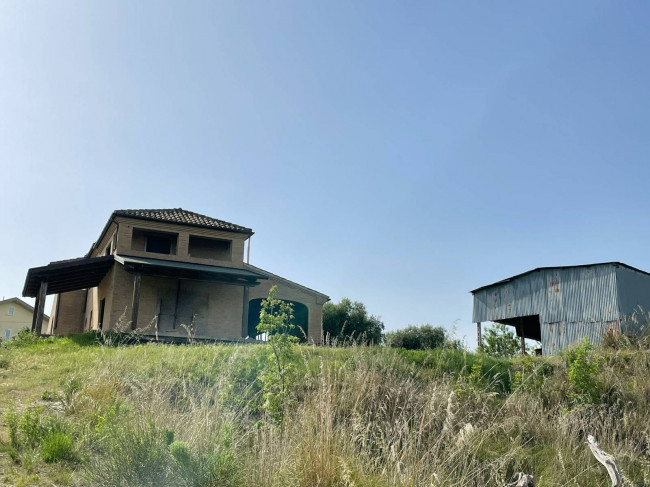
397, 153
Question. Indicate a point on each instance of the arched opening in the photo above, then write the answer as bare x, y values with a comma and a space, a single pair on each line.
300, 318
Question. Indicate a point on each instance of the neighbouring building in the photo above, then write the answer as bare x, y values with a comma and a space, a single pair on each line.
16, 315
558, 306
162, 272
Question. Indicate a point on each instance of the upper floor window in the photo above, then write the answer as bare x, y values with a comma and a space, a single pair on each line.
210, 248
11, 310
154, 242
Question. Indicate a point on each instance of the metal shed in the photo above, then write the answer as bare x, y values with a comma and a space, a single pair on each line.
558, 306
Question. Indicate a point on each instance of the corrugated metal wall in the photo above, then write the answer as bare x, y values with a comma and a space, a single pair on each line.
571, 303
634, 300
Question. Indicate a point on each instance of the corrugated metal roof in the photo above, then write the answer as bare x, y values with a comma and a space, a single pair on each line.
559, 267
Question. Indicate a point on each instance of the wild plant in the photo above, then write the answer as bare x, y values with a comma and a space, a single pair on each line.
276, 318
584, 367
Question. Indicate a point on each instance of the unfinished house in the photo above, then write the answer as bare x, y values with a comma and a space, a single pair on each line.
167, 273
558, 306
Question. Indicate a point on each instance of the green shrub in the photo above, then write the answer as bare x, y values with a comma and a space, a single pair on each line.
24, 338
168, 434
132, 454
57, 446
417, 337
4, 363
181, 453
48, 396
11, 418
31, 430
583, 369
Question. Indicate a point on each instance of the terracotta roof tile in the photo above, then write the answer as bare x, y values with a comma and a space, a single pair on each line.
183, 217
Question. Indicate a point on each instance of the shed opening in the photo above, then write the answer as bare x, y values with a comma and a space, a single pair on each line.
528, 326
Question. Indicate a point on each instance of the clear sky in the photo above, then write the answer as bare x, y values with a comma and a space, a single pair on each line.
397, 153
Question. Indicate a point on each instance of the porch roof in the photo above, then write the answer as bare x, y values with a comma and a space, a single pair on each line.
87, 272
67, 275
188, 270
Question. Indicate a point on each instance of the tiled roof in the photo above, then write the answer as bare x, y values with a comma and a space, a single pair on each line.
183, 217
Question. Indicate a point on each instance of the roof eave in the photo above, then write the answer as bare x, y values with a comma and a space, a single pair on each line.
509, 279
245, 231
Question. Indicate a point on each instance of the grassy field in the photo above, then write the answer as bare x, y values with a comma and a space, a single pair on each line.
79, 412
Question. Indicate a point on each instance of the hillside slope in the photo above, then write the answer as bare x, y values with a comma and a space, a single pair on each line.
77, 412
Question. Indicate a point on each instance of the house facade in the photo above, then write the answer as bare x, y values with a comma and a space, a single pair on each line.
559, 306
170, 273
16, 315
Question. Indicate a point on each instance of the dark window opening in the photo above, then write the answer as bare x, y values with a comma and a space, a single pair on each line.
158, 245
102, 306
210, 248
154, 242
300, 318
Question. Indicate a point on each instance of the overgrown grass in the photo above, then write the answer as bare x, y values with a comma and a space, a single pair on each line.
81, 412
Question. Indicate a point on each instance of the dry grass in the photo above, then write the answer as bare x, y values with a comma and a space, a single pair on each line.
358, 417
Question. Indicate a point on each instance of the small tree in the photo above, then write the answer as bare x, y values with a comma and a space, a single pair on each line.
500, 342
350, 319
418, 337
276, 318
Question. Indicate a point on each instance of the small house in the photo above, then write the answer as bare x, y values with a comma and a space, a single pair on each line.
17, 315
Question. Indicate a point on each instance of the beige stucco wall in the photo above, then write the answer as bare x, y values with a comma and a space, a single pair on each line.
22, 318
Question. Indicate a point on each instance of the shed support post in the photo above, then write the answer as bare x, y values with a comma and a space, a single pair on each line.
479, 335
244, 314
136, 300
523, 339
37, 317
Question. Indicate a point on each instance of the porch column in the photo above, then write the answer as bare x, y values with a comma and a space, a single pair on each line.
479, 335
244, 314
37, 317
136, 300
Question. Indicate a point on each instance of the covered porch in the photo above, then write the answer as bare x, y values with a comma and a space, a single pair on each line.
172, 292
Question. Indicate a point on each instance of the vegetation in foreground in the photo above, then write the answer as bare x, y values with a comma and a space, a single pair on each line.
77, 411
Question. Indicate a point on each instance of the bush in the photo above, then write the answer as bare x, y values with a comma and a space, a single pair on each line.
583, 369
350, 321
181, 453
57, 446
24, 338
499, 341
132, 454
417, 337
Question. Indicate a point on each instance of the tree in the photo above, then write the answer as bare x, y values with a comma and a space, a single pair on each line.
500, 342
350, 319
276, 318
418, 337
